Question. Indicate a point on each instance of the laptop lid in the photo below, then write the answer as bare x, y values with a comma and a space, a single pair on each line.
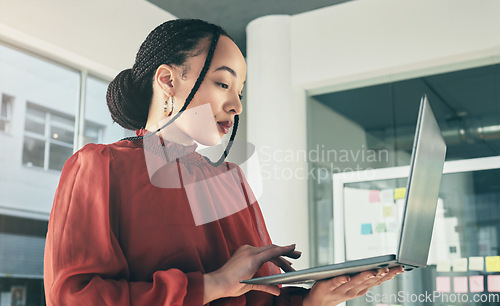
421, 198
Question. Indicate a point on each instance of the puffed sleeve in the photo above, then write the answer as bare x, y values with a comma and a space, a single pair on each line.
84, 264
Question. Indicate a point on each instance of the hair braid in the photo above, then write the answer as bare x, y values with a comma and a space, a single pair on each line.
134, 86
197, 84
129, 95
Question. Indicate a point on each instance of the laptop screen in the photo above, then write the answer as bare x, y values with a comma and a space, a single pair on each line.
421, 198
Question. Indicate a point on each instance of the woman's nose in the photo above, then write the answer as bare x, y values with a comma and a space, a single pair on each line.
234, 106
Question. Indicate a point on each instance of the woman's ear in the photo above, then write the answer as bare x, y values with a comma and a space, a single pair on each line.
165, 79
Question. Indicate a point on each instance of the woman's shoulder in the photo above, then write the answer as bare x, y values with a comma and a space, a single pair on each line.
93, 154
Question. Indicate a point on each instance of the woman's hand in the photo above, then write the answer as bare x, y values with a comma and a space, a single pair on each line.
343, 288
242, 265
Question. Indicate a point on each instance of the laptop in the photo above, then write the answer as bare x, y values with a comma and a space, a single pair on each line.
426, 169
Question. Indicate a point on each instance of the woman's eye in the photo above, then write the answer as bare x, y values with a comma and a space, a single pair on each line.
225, 86
241, 97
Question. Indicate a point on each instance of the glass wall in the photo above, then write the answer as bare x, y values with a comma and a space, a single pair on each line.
463, 267
373, 127
39, 115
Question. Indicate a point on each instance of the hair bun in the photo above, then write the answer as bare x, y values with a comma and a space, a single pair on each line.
124, 107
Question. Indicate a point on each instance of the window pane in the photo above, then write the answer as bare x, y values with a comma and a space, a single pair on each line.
96, 111
465, 235
6, 106
58, 155
33, 152
466, 104
35, 120
62, 129
91, 133
375, 125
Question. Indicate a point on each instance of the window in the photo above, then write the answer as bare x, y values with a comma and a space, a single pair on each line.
39, 133
380, 122
92, 132
464, 246
49, 137
6, 104
98, 122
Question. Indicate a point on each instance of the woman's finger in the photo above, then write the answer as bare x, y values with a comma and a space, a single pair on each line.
258, 250
293, 254
357, 283
392, 273
275, 251
284, 264
362, 282
336, 282
274, 290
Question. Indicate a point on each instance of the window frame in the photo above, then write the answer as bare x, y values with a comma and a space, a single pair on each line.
9, 102
85, 69
46, 137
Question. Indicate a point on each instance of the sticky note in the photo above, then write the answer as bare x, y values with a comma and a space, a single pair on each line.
387, 195
443, 284
443, 266
374, 196
476, 283
494, 283
388, 211
366, 229
460, 284
391, 226
493, 263
460, 265
380, 227
399, 193
476, 263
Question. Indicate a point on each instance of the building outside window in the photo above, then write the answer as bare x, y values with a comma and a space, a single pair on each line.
49, 137
47, 111
6, 104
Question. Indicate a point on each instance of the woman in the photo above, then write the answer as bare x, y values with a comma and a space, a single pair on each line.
149, 221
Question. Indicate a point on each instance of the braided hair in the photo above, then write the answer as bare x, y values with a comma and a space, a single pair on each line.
129, 95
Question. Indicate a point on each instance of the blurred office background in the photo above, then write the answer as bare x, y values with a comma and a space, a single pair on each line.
332, 87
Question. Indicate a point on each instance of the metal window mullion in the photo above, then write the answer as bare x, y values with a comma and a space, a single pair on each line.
61, 143
35, 135
47, 141
80, 112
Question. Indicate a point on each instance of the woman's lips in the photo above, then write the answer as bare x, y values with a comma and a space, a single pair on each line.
225, 126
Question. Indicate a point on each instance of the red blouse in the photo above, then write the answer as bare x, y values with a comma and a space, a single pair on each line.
131, 225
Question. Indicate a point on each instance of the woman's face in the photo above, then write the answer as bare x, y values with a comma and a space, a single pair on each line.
211, 112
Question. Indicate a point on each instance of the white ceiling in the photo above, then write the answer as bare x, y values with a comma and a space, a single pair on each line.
234, 15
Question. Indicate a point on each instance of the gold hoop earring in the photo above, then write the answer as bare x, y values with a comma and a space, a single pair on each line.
165, 106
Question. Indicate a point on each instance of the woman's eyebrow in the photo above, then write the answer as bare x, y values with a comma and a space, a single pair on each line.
231, 71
